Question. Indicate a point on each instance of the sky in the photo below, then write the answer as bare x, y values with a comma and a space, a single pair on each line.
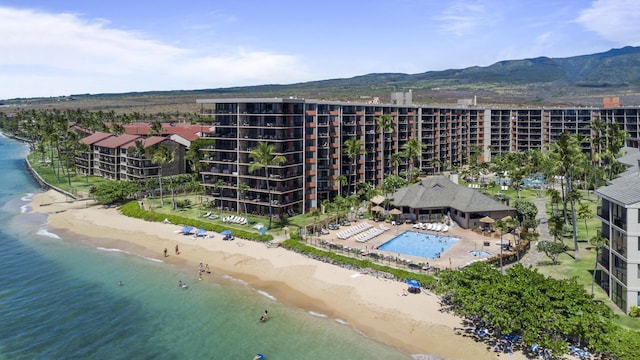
65, 47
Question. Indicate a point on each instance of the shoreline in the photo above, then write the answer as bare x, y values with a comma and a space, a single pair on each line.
413, 324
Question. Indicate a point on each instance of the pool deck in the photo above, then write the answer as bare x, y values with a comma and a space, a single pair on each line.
457, 255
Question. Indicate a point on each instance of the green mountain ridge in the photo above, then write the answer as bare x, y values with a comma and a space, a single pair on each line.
571, 81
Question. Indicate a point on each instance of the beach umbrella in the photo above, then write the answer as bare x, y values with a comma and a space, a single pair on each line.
377, 208
225, 232
186, 229
200, 232
413, 283
487, 220
395, 212
377, 199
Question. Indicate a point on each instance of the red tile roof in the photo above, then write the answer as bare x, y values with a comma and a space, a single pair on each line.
185, 130
95, 137
117, 141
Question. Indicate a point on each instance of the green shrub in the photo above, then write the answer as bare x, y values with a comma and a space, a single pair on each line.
634, 311
132, 209
427, 281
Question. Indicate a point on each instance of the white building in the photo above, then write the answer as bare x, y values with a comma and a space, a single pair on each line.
619, 261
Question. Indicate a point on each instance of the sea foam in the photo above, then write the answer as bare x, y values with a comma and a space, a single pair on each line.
267, 295
44, 232
316, 314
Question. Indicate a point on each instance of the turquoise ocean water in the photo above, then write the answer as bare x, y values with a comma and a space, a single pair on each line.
60, 299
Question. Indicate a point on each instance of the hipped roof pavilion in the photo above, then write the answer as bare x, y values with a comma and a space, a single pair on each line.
440, 193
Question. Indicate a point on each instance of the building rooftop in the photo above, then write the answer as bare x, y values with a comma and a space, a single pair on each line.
439, 192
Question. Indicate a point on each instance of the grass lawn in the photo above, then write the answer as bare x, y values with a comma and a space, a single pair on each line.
582, 269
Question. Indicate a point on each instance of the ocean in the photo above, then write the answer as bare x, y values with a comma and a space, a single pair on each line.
60, 298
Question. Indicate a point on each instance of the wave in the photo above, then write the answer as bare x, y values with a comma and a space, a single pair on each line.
128, 253
340, 321
267, 295
25, 209
229, 277
316, 314
44, 232
425, 357
111, 250
27, 197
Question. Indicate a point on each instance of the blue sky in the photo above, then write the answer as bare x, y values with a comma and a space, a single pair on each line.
63, 47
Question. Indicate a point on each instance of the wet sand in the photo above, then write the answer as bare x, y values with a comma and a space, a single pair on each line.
374, 306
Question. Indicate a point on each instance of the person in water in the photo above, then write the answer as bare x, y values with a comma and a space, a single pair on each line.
120, 283
264, 316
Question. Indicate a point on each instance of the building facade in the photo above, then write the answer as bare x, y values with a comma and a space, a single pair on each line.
311, 135
619, 260
125, 157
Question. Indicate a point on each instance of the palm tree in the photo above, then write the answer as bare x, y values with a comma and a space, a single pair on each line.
585, 213
218, 186
161, 156
412, 151
263, 158
385, 124
435, 163
395, 159
155, 128
242, 191
353, 148
568, 151
597, 242
342, 181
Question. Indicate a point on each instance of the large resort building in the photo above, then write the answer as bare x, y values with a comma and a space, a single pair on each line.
311, 134
619, 260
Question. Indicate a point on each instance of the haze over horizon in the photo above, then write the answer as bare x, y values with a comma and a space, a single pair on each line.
53, 48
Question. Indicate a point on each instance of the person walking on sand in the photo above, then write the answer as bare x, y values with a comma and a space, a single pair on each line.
165, 252
177, 250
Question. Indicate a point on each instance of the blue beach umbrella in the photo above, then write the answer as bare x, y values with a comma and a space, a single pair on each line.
200, 232
413, 283
225, 232
186, 229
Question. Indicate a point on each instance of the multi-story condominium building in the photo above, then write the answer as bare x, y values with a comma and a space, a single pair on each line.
619, 261
124, 157
311, 135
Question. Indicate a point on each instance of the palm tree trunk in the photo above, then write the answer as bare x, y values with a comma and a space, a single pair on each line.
160, 181
269, 192
576, 248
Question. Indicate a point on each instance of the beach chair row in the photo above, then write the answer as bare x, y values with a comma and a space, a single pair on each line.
353, 230
431, 227
371, 233
235, 220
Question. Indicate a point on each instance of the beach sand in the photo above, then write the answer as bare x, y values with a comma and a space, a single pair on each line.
374, 306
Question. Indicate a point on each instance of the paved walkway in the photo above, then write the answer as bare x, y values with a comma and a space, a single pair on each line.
533, 256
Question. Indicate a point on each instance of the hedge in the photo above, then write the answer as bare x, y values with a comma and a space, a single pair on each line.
425, 280
133, 209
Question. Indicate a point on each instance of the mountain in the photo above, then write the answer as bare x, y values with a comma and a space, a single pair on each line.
572, 81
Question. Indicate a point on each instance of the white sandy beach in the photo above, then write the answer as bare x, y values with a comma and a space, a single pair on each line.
411, 323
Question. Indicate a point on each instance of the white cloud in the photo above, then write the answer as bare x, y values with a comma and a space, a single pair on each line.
461, 18
57, 54
614, 20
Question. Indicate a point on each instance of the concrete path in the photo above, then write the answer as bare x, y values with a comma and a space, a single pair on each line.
533, 256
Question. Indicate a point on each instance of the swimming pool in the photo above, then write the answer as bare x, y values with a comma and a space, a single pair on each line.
480, 253
418, 244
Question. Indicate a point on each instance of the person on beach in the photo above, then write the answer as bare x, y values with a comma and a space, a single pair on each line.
177, 250
264, 316
165, 252
206, 268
